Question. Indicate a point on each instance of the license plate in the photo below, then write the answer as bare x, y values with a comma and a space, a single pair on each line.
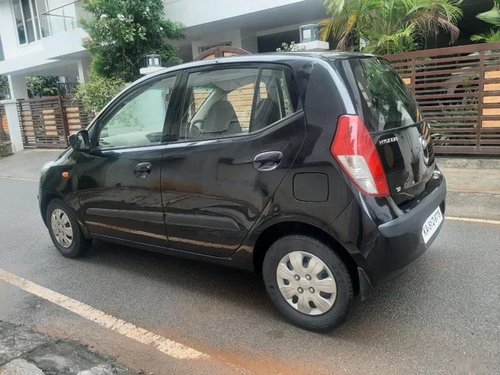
431, 224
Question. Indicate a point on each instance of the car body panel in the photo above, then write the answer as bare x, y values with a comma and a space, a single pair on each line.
212, 192
114, 201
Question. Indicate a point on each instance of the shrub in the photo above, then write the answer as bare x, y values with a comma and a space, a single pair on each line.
98, 92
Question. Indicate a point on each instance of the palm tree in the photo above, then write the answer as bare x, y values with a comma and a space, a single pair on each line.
388, 26
492, 17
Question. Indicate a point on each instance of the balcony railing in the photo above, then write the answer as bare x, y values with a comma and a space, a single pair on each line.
62, 18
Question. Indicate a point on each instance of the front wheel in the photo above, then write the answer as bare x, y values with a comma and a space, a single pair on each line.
308, 282
65, 231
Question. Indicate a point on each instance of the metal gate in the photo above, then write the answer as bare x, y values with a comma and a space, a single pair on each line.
458, 90
48, 121
221, 51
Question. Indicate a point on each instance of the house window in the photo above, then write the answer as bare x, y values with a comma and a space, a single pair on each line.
27, 21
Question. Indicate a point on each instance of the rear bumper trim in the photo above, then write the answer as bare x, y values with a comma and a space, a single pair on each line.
406, 223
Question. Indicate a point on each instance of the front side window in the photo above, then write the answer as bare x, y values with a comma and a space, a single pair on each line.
139, 119
231, 102
27, 22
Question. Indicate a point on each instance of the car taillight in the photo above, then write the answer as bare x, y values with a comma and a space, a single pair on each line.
354, 150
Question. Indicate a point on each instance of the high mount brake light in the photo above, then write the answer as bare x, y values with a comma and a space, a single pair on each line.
354, 150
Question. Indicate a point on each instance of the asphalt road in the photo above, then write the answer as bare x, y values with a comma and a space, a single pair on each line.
441, 316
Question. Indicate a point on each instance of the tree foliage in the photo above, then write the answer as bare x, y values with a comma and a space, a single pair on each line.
123, 32
292, 47
42, 86
388, 26
492, 17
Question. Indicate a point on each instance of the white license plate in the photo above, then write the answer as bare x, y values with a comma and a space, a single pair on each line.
431, 224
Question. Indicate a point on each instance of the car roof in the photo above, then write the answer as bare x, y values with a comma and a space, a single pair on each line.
274, 57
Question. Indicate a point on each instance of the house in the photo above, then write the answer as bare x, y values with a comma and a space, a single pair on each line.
44, 37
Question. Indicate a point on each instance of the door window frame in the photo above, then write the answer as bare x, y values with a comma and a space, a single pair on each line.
184, 99
171, 115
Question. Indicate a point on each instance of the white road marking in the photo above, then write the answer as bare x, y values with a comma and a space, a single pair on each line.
473, 220
19, 178
160, 343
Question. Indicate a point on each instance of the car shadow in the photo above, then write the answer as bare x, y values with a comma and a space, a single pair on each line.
391, 305
235, 285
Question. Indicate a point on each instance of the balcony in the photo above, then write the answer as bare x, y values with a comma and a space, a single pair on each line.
64, 18
43, 34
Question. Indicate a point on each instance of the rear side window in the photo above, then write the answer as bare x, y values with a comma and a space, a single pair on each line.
386, 101
234, 101
272, 101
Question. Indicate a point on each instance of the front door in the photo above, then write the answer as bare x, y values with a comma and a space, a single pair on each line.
239, 133
119, 181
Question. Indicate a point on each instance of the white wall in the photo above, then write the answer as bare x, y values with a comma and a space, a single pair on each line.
197, 12
41, 52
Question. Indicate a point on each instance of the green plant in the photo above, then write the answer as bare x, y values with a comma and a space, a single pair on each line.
4, 88
123, 32
42, 86
292, 47
96, 93
388, 26
493, 18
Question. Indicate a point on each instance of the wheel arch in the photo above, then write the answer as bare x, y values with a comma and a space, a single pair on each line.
44, 204
278, 230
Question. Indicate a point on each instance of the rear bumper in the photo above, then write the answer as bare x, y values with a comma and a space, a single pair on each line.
397, 243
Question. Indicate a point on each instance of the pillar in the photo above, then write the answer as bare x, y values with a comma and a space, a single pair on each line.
17, 85
83, 71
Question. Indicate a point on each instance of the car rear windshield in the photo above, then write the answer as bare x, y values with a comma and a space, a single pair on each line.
385, 100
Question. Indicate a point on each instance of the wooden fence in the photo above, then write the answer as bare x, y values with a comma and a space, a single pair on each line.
458, 91
4, 128
48, 121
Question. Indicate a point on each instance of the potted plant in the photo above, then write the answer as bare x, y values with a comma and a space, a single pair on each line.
5, 148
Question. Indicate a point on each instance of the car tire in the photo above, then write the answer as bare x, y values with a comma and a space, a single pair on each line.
314, 289
65, 231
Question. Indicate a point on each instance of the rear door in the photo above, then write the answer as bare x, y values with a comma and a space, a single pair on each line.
239, 132
391, 114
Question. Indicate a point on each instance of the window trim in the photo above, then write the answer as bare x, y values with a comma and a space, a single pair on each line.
124, 97
174, 131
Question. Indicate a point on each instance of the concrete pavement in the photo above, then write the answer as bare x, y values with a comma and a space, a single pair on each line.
473, 187
27, 163
26, 352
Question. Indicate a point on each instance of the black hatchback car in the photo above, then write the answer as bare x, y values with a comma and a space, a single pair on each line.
315, 169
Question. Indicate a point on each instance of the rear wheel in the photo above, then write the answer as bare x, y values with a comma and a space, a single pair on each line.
65, 231
307, 282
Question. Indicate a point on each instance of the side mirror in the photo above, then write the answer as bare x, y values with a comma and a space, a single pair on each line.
80, 141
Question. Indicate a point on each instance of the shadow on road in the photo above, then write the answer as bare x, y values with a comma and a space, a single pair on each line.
395, 303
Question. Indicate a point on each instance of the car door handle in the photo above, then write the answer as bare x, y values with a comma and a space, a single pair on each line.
267, 161
142, 170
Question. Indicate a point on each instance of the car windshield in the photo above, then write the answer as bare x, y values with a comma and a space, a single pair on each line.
385, 99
